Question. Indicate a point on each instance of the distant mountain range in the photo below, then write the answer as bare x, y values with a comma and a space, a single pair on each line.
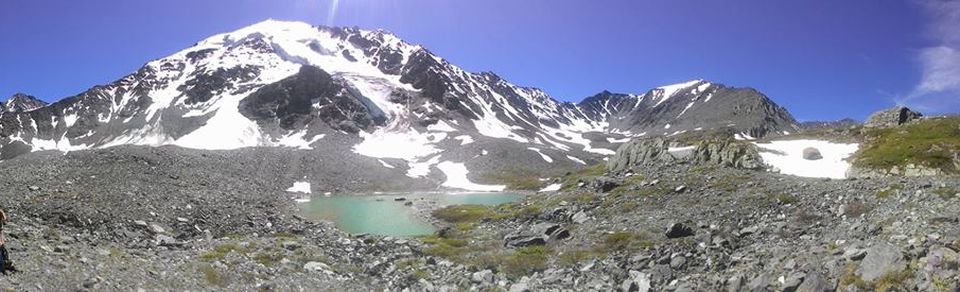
289, 84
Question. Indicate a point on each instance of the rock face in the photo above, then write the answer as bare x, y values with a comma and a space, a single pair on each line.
891, 117
811, 153
728, 153
641, 152
724, 153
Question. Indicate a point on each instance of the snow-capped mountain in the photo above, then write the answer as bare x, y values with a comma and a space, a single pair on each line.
697, 105
288, 84
21, 103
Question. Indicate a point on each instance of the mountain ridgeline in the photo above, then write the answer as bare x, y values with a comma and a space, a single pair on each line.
288, 84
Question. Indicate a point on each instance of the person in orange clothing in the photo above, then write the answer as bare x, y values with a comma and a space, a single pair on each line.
6, 266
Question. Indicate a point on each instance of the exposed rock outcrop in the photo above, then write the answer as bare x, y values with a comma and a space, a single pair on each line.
723, 152
891, 117
728, 153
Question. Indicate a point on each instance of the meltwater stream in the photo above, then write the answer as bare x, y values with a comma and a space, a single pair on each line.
386, 214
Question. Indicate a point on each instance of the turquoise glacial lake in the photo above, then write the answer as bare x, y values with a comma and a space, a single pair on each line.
384, 214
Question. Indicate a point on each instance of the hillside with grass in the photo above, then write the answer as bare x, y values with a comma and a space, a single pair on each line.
929, 145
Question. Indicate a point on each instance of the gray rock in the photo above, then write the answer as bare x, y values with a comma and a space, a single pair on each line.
678, 262
165, 240
891, 117
792, 281
537, 235
638, 282
640, 152
316, 267
882, 258
677, 230
603, 184
761, 282
482, 277
728, 153
156, 228
519, 287
734, 284
811, 153
814, 282
290, 245
854, 254
579, 217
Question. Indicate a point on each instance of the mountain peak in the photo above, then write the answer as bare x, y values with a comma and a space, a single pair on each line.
21, 102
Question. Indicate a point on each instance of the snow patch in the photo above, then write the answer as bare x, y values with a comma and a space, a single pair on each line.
456, 174
742, 136
544, 156
385, 164
551, 188
622, 140
577, 160
464, 139
787, 156
300, 187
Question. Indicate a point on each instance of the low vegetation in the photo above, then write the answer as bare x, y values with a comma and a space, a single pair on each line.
930, 143
570, 180
521, 180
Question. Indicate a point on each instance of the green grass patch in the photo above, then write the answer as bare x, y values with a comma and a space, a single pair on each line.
464, 213
889, 191
219, 252
211, 276
784, 198
730, 183
624, 240
525, 180
526, 260
574, 258
570, 181
929, 143
945, 193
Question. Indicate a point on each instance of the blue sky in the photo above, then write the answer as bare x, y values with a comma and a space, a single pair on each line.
822, 59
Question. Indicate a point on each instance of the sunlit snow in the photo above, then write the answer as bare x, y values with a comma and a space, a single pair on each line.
551, 188
300, 187
456, 174
787, 157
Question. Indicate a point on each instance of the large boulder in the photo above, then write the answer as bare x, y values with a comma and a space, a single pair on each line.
891, 117
882, 259
811, 153
538, 234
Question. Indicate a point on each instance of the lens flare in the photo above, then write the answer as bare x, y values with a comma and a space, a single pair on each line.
332, 12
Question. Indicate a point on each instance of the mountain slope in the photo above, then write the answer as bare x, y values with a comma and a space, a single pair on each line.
21, 103
691, 106
287, 84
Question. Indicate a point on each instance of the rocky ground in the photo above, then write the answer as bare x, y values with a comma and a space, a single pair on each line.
164, 219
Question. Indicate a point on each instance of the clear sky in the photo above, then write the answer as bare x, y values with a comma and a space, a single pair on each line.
822, 59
